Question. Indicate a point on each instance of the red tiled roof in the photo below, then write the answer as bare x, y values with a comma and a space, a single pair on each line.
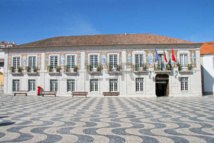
207, 48
113, 39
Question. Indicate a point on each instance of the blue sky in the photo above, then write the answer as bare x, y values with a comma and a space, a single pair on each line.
26, 21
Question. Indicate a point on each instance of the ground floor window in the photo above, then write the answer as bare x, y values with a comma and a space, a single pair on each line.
94, 85
139, 84
31, 85
15, 85
184, 83
113, 84
53, 85
70, 85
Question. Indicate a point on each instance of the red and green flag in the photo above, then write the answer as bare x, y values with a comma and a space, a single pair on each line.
164, 54
173, 55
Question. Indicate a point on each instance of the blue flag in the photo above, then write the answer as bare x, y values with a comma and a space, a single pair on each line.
156, 55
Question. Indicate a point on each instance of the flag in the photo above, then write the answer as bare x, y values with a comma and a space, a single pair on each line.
156, 55
164, 54
173, 56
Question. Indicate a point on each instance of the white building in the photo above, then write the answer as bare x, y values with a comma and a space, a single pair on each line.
207, 66
105, 63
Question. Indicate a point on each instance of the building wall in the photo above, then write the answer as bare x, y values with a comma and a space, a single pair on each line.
208, 74
126, 78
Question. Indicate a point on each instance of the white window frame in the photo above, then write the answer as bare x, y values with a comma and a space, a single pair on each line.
49, 61
16, 86
113, 86
94, 90
56, 87
9, 46
36, 64
138, 53
140, 85
2, 46
188, 57
33, 88
113, 68
74, 84
20, 62
98, 60
188, 85
75, 58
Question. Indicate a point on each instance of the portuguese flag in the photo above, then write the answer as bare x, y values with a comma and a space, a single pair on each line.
164, 54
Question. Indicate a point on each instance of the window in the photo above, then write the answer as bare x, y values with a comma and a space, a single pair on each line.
113, 61
70, 85
31, 85
8, 46
94, 85
53, 85
139, 84
70, 61
32, 61
16, 62
183, 61
15, 85
53, 61
161, 61
139, 60
113, 84
1, 64
1, 46
93, 61
184, 83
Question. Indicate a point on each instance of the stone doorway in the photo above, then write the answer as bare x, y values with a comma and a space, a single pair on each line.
162, 85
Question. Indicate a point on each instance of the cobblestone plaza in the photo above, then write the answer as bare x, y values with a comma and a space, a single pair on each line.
106, 119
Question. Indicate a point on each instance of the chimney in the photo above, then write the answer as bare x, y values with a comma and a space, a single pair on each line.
2, 41
125, 33
13, 42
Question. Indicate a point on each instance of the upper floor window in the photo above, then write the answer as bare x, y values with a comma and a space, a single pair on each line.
1, 64
184, 83
93, 61
8, 46
139, 60
113, 61
1, 46
32, 61
183, 61
70, 61
53, 61
16, 62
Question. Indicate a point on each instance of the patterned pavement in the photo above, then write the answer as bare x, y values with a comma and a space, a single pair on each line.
106, 119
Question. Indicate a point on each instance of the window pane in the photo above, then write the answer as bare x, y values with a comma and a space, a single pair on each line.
15, 85
70, 85
31, 85
94, 85
53, 85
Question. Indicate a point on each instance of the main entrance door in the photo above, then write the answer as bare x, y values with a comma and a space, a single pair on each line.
162, 85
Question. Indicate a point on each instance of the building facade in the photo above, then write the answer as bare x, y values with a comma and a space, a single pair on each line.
123, 63
207, 68
3, 45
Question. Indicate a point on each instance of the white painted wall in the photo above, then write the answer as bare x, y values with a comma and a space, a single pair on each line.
208, 73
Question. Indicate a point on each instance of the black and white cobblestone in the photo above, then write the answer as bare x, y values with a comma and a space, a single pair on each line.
108, 119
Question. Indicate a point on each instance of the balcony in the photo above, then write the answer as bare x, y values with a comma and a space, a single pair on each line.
68, 70
31, 71
162, 69
55, 70
14, 71
94, 70
115, 70
185, 69
140, 69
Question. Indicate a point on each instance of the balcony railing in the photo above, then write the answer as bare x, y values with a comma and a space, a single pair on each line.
52, 70
184, 69
163, 68
30, 70
16, 71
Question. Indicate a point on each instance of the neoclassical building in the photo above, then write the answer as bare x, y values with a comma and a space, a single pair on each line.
124, 63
